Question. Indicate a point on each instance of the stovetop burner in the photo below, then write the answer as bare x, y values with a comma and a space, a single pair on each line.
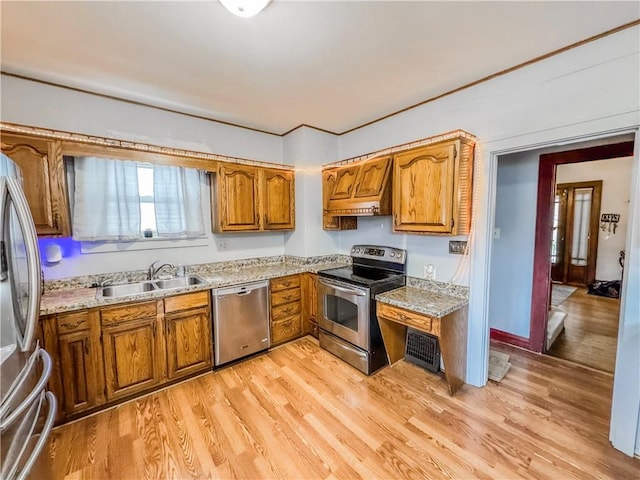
372, 266
360, 275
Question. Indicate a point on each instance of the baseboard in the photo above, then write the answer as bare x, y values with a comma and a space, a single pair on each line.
509, 338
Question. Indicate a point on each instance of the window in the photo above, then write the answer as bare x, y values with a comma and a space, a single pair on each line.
147, 205
121, 200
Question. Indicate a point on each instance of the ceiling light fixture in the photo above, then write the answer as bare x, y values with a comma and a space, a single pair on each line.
245, 8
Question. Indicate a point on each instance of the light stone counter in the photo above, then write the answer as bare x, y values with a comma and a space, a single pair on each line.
436, 299
78, 295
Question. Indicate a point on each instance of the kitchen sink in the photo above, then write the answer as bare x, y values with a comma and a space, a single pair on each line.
148, 286
179, 282
127, 289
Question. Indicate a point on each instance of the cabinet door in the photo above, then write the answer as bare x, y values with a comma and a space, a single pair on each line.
278, 199
372, 177
188, 342
345, 182
423, 189
133, 356
237, 200
329, 222
78, 372
42, 168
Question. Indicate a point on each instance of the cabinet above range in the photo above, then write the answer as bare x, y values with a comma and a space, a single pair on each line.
426, 188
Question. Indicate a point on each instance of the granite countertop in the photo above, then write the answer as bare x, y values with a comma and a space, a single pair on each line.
432, 303
66, 300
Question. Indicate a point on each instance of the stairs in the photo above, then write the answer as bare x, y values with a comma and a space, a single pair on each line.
555, 325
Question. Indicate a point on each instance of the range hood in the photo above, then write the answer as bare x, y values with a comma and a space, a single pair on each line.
362, 189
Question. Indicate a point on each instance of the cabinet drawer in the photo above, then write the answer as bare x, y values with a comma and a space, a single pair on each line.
286, 329
128, 312
419, 321
72, 322
285, 296
286, 310
187, 301
292, 281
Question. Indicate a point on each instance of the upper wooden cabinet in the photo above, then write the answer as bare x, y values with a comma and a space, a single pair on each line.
432, 188
331, 222
235, 198
43, 181
248, 198
278, 199
361, 189
373, 177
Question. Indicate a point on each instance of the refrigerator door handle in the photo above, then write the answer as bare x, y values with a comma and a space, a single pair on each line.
6, 417
44, 435
25, 339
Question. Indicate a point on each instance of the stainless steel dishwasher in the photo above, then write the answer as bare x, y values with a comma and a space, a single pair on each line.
240, 321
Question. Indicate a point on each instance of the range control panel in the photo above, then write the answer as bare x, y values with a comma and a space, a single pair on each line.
386, 254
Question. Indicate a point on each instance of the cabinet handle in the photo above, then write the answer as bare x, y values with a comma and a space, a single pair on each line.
155, 328
73, 325
86, 346
395, 219
55, 221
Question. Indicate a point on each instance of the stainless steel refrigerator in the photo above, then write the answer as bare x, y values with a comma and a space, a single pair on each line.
27, 409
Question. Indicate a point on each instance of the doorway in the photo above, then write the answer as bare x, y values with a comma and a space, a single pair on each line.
541, 289
574, 238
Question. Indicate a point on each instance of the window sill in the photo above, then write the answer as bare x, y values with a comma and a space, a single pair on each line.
142, 244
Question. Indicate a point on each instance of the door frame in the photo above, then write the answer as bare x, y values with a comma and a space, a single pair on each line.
592, 254
544, 224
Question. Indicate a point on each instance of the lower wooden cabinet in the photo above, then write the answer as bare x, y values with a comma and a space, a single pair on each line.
286, 309
104, 355
78, 371
311, 304
133, 357
188, 333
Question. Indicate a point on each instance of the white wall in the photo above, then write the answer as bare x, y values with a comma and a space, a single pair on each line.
308, 149
589, 90
31, 103
512, 257
616, 189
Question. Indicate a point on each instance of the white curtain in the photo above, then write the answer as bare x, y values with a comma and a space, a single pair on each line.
8, 168
106, 200
177, 194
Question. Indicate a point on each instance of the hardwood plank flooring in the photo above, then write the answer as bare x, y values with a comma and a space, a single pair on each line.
590, 335
299, 412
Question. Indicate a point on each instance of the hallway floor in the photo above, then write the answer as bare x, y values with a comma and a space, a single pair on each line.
590, 331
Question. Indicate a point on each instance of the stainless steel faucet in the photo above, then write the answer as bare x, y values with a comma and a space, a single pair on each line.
154, 271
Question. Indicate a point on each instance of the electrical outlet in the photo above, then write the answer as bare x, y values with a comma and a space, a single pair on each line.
430, 271
457, 247
223, 244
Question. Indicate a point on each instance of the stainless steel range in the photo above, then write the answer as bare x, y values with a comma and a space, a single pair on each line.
347, 309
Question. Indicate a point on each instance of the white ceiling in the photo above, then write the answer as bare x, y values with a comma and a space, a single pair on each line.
332, 65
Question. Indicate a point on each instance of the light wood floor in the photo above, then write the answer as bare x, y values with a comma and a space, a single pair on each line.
590, 335
298, 412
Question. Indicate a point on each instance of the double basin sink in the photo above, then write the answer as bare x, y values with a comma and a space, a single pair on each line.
148, 286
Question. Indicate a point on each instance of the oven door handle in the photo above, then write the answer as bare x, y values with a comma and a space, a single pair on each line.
349, 291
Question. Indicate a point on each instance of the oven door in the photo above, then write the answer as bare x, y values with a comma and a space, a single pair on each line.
343, 310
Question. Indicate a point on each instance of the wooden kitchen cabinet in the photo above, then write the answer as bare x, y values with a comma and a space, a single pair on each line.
450, 329
330, 222
432, 188
236, 198
311, 304
133, 343
42, 166
189, 341
278, 199
286, 309
72, 342
248, 198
